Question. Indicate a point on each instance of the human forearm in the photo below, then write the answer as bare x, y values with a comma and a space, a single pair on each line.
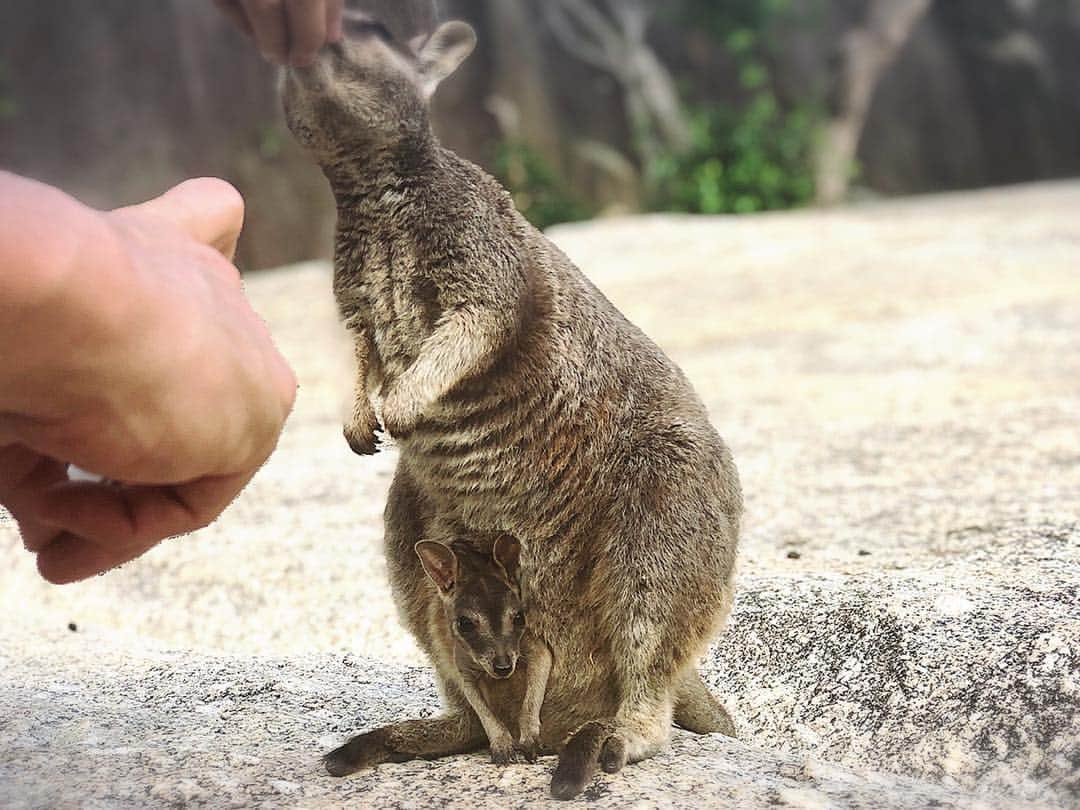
57, 312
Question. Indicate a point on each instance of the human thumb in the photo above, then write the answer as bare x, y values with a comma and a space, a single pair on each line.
209, 210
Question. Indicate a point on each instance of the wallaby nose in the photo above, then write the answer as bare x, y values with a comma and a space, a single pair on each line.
502, 667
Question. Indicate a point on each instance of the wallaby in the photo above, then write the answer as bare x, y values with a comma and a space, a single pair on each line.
478, 629
523, 402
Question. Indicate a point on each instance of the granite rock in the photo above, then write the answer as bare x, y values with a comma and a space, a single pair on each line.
900, 385
93, 723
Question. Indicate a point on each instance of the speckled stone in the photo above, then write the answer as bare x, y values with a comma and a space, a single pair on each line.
93, 723
965, 674
900, 385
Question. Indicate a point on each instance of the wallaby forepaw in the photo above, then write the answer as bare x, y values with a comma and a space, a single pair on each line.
400, 413
502, 751
579, 758
363, 440
529, 747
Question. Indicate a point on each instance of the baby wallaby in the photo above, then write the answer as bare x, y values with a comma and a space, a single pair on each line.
479, 629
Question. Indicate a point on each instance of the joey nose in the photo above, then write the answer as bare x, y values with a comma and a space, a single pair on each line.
502, 667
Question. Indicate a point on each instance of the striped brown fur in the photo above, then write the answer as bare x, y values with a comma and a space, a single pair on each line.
523, 402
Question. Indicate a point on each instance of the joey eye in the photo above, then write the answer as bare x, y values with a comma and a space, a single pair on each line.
519, 619
465, 625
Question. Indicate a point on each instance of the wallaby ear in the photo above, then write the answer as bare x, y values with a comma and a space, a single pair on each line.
439, 563
444, 52
416, 44
507, 554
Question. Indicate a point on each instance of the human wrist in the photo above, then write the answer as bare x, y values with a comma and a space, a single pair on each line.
49, 291
41, 232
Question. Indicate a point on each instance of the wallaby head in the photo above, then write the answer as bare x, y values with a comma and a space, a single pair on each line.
370, 91
481, 598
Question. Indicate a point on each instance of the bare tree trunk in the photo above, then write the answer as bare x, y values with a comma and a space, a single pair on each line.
862, 59
612, 36
521, 98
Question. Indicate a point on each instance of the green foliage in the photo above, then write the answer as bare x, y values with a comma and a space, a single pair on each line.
271, 139
753, 156
538, 191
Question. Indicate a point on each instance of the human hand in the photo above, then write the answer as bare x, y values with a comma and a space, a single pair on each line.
139, 360
287, 31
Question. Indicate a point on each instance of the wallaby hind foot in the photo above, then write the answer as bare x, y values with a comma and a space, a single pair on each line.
698, 710
411, 739
580, 758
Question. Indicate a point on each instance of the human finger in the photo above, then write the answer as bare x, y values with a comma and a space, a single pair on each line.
24, 476
307, 29
334, 11
106, 525
235, 12
209, 210
267, 19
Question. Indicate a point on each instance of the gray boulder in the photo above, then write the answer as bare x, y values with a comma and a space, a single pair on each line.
899, 383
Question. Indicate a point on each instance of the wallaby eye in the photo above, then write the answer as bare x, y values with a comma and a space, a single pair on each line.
465, 625
358, 27
519, 619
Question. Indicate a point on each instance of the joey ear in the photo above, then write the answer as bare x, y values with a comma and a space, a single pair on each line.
443, 53
507, 554
439, 563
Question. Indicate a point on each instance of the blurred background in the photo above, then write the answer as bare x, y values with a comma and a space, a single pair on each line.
582, 107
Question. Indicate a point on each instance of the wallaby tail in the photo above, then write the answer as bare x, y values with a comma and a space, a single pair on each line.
698, 710
410, 739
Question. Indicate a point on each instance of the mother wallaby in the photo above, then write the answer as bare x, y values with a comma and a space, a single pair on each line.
523, 402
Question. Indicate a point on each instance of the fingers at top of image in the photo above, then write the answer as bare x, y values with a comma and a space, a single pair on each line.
334, 11
268, 25
234, 10
70, 559
306, 28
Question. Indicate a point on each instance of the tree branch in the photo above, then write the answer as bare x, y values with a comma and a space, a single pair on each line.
572, 41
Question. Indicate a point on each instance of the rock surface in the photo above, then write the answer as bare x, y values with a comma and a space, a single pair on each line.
118, 726
900, 384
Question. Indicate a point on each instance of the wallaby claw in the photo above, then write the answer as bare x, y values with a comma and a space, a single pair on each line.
363, 441
613, 754
502, 752
529, 748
